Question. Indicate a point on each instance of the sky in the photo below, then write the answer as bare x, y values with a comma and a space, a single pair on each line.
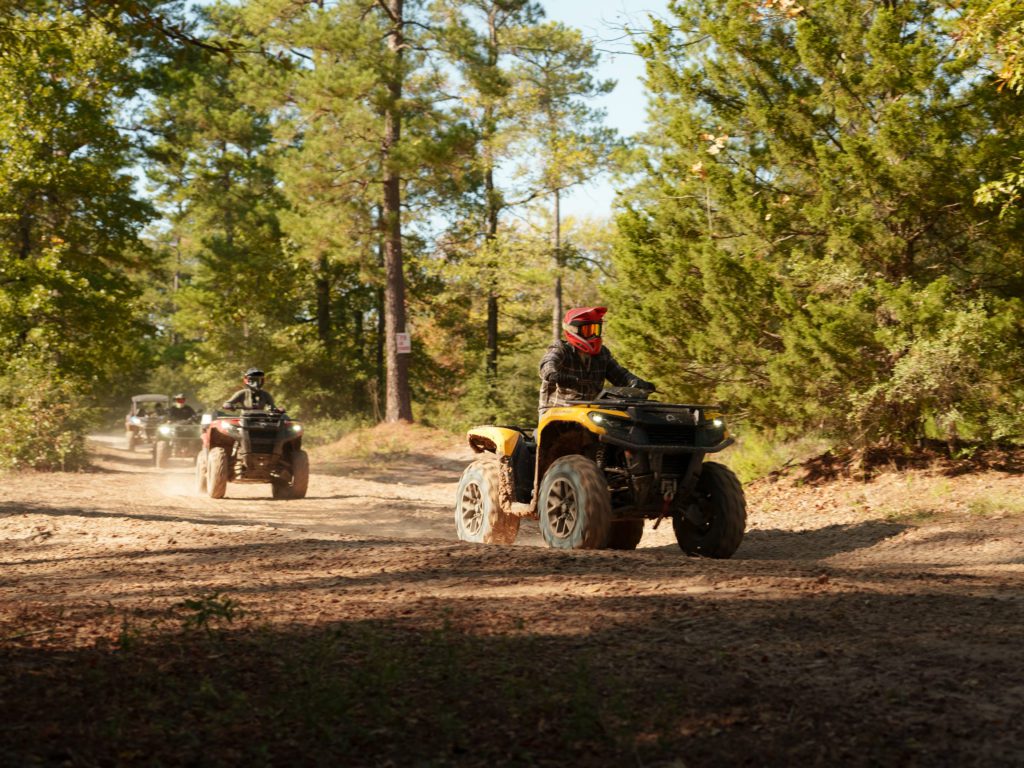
604, 22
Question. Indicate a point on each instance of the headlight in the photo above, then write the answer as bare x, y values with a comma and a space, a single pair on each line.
607, 420
718, 423
296, 427
165, 430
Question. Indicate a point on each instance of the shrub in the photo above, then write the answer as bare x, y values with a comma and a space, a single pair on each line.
45, 422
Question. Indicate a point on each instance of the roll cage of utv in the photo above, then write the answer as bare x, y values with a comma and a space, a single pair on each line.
139, 425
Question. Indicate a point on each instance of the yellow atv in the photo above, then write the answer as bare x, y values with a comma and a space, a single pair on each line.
594, 471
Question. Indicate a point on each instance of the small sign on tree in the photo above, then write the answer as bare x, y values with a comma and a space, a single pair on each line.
403, 343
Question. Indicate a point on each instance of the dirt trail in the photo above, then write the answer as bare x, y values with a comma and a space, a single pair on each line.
867, 623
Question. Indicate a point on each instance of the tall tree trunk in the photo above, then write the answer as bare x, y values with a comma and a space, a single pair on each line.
399, 401
381, 334
323, 302
492, 202
175, 336
492, 296
492, 335
556, 244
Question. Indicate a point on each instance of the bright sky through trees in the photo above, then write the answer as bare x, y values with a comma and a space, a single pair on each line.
609, 23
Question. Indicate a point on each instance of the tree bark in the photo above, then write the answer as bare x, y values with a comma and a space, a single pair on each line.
323, 302
379, 378
492, 201
556, 243
492, 296
399, 402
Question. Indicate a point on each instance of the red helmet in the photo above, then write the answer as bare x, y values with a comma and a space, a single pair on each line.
582, 327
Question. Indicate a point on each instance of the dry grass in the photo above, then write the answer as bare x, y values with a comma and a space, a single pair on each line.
390, 440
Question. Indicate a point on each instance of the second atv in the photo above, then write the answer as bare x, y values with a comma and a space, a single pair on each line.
252, 446
594, 471
177, 440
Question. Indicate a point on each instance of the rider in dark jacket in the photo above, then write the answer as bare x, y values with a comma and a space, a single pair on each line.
253, 396
576, 368
180, 411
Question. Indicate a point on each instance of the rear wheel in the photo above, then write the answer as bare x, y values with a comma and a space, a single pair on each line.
625, 534
296, 489
160, 453
217, 473
478, 514
720, 516
201, 464
574, 505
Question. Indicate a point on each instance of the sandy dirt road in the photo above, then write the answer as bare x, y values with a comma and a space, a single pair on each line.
861, 623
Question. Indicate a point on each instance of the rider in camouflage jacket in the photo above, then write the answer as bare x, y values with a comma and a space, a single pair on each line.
576, 368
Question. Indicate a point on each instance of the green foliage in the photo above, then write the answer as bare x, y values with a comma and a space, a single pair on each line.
456, 389
994, 29
45, 420
325, 431
758, 454
71, 325
804, 246
202, 612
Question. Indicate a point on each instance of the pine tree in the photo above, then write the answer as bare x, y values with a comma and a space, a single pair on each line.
212, 167
567, 136
804, 245
358, 102
478, 37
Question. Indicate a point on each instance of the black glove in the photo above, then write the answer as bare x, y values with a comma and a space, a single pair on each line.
646, 386
567, 380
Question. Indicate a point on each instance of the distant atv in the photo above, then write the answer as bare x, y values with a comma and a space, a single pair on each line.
143, 419
594, 471
177, 440
252, 447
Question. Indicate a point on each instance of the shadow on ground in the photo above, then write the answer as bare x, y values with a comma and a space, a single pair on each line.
812, 680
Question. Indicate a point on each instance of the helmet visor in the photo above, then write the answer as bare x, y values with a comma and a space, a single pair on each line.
590, 330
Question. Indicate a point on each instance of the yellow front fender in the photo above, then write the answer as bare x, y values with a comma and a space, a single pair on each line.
499, 440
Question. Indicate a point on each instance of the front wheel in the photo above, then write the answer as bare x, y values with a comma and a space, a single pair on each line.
217, 473
478, 514
574, 505
721, 514
160, 454
296, 489
201, 465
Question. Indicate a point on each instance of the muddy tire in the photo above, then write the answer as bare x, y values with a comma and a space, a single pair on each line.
625, 534
720, 498
217, 473
479, 516
160, 454
574, 505
201, 465
297, 488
